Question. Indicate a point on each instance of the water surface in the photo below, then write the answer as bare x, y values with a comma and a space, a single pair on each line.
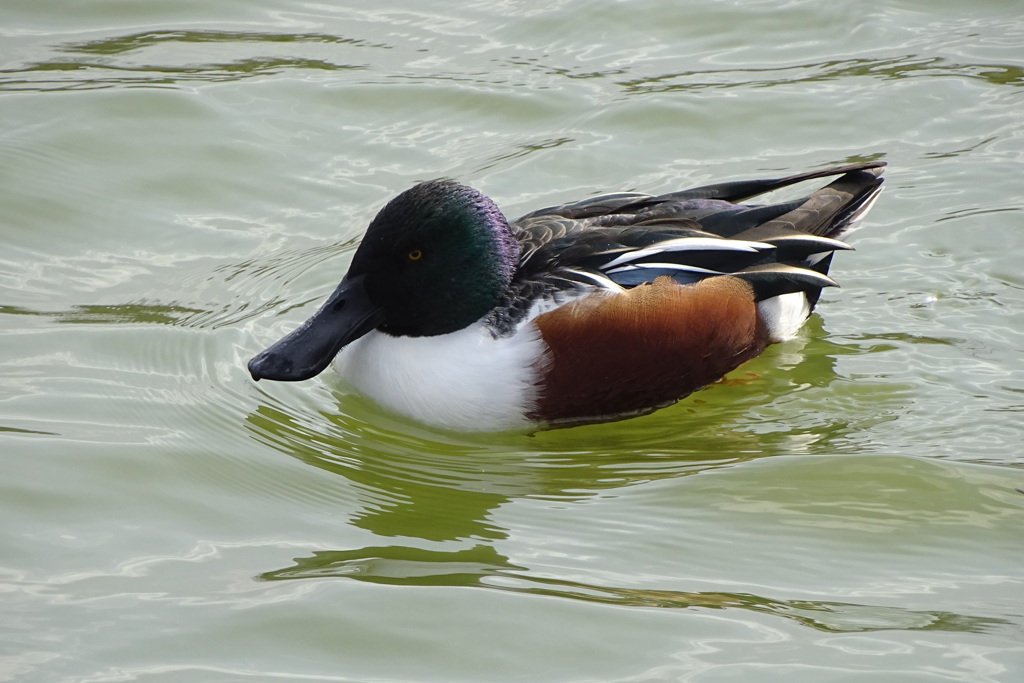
180, 183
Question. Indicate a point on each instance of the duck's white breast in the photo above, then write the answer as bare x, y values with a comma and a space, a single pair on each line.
466, 380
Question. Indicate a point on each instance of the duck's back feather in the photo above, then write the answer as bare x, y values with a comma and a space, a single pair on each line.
626, 239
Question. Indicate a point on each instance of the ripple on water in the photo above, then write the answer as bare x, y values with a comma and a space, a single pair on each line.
203, 195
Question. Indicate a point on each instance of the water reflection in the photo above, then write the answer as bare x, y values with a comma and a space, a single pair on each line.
906, 66
92, 64
481, 566
112, 314
137, 41
135, 59
174, 314
422, 484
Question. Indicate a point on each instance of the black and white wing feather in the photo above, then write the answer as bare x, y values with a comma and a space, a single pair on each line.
622, 240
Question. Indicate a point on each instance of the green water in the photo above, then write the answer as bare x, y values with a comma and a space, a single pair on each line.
181, 183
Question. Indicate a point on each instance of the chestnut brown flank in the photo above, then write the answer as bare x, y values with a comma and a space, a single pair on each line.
645, 348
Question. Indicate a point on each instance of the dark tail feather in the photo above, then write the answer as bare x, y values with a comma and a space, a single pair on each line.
740, 190
862, 188
828, 212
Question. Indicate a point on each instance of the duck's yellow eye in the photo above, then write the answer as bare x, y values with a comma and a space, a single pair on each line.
414, 255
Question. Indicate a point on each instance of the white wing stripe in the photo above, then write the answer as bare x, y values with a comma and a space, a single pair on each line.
688, 244
602, 282
664, 266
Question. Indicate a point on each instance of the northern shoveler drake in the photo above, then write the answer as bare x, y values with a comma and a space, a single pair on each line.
601, 309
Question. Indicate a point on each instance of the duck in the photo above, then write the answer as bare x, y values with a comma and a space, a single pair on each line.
596, 310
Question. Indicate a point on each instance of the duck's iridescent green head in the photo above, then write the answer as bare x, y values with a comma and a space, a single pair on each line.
435, 260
